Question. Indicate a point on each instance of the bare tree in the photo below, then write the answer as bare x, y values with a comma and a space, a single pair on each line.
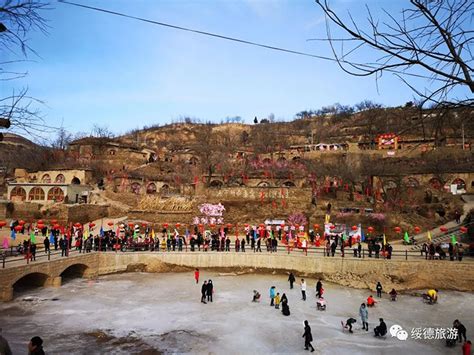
63, 138
431, 39
17, 19
101, 131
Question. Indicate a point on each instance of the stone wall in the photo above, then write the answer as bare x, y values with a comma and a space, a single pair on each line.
85, 213
358, 273
27, 211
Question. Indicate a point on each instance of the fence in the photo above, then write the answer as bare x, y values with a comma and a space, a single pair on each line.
10, 256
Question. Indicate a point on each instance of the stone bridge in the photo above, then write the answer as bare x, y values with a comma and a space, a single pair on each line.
348, 271
46, 273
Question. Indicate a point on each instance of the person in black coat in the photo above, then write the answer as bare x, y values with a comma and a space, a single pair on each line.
210, 288
46, 245
379, 289
319, 286
308, 337
381, 329
203, 292
292, 279
285, 309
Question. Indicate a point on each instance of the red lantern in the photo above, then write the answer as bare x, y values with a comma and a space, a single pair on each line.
246, 225
144, 225
77, 225
40, 226
212, 225
417, 229
110, 223
443, 229
40, 222
91, 225
397, 229
316, 227
165, 225
18, 228
332, 227
178, 225
370, 229
200, 225
262, 225
56, 226
229, 225
131, 225
54, 221
3, 224
354, 228
463, 229
22, 222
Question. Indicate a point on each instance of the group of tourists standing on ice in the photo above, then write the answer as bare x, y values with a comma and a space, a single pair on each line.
279, 300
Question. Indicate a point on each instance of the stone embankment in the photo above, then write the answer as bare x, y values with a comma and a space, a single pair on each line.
352, 272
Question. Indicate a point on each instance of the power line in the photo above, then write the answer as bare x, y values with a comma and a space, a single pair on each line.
198, 31
233, 39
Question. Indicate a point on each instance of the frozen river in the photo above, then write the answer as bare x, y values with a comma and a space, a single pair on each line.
140, 313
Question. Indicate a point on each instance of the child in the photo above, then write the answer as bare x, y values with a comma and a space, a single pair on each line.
321, 304
256, 296
277, 301
370, 301
393, 294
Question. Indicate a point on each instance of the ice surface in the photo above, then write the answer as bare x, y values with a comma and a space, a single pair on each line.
147, 313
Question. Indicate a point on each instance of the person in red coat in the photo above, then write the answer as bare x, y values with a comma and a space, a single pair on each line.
466, 348
196, 275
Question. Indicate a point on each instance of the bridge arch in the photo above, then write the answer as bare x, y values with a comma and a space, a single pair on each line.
74, 271
30, 281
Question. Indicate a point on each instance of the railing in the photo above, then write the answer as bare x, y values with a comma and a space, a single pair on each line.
456, 231
281, 249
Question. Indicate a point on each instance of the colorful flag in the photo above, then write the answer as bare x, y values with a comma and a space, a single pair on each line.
453, 239
384, 239
13, 234
429, 236
135, 234
327, 218
153, 233
362, 235
32, 237
101, 233
5, 243
51, 237
406, 237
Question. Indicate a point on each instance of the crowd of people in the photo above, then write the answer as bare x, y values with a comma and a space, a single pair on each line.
83, 240
434, 251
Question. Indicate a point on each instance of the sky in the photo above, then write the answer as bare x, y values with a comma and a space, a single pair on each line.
96, 68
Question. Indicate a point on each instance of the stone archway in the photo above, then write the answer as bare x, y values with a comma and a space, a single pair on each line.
36, 194
56, 194
74, 271
29, 282
18, 194
216, 184
151, 188
461, 184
